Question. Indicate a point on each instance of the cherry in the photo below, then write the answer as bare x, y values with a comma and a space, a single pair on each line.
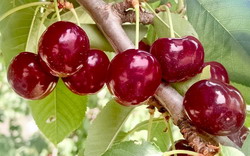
215, 107
92, 76
180, 58
240, 136
144, 46
182, 145
62, 47
218, 71
28, 79
133, 77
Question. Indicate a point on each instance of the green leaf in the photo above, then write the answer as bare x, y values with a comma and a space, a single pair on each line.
230, 151
131, 148
223, 27
14, 31
105, 128
158, 134
182, 87
181, 26
246, 145
60, 113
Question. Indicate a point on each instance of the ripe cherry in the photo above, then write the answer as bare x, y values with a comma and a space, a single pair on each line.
180, 58
215, 107
28, 79
182, 145
144, 46
62, 47
218, 71
240, 136
133, 77
92, 76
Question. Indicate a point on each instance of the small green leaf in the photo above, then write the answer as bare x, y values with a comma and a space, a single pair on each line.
131, 148
60, 113
105, 128
230, 151
181, 26
182, 87
158, 134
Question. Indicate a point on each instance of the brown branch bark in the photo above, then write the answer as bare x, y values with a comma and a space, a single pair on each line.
109, 19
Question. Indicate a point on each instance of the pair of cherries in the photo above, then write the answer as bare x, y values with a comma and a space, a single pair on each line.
64, 51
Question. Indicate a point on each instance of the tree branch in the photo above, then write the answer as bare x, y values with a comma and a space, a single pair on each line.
109, 19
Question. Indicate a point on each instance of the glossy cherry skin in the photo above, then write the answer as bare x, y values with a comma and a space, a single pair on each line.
180, 58
133, 76
144, 46
92, 76
28, 79
215, 107
182, 145
218, 71
62, 47
240, 136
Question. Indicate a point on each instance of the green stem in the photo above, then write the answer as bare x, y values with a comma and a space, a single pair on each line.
137, 26
150, 123
170, 23
57, 10
22, 7
76, 16
170, 133
181, 5
31, 27
174, 152
151, 9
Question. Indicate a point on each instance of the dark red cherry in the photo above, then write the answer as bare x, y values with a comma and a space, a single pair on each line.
240, 136
62, 47
92, 76
28, 79
180, 58
216, 107
182, 145
144, 46
133, 77
218, 71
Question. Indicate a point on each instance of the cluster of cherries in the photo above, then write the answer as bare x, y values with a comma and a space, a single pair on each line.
132, 76
63, 51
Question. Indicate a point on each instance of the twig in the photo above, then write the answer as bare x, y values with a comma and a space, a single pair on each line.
109, 21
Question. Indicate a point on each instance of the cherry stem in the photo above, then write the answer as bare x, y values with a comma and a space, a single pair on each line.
22, 7
76, 16
137, 26
150, 122
174, 152
31, 27
170, 23
181, 5
57, 10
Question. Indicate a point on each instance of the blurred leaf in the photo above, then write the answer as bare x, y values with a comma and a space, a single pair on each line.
181, 26
60, 113
158, 136
105, 128
131, 148
223, 27
230, 151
